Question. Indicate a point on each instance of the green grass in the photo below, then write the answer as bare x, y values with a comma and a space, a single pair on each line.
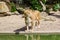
30, 37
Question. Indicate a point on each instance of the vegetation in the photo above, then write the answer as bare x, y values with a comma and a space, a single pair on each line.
35, 4
56, 7
13, 7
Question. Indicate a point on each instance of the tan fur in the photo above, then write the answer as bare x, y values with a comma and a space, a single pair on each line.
1, 6
34, 16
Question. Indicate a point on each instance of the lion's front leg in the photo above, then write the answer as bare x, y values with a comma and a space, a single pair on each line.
27, 23
27, 27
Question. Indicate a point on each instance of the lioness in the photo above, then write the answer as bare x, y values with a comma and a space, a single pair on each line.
32, 18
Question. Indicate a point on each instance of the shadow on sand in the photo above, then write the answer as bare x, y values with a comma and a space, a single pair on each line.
57, 16
21, 29
52, 14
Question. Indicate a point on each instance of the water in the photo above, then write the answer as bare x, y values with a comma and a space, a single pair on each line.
30, 37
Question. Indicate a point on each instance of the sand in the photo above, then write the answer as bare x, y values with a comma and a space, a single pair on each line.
13, 23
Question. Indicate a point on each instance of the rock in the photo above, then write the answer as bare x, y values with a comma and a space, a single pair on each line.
4, 10
44, 14
15, 13
3, 7
5, 14
49, 18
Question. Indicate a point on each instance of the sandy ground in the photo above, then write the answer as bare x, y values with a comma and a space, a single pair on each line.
15, 23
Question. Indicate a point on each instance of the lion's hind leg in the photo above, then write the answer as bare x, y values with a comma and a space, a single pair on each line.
38, 23
32, 25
